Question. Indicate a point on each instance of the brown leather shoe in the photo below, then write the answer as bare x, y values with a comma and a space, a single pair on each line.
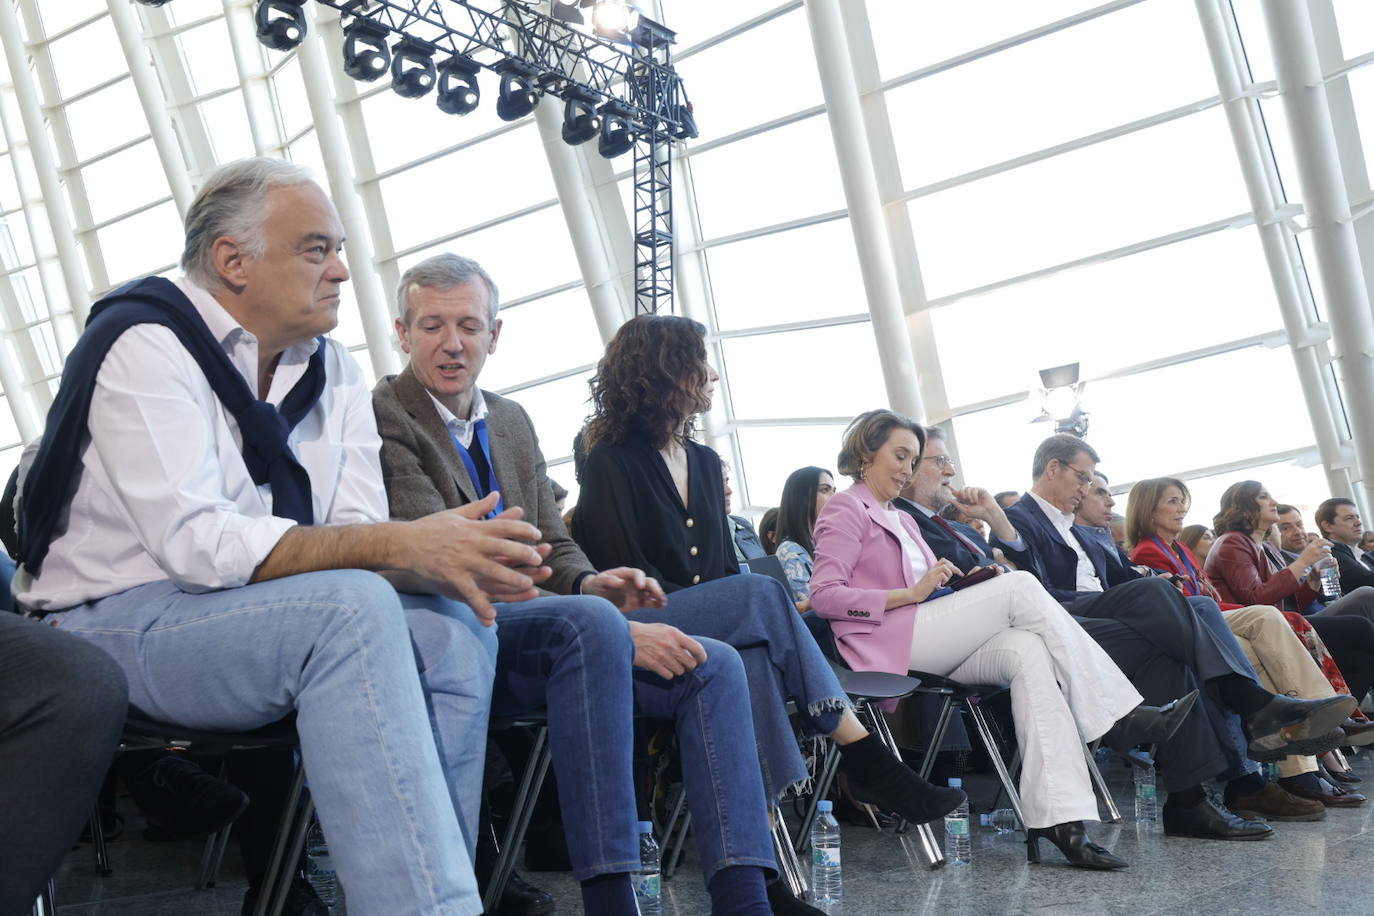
1358, 733
1329, 795
1273, 803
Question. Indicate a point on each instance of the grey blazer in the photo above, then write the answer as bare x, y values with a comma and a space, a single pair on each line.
424, 473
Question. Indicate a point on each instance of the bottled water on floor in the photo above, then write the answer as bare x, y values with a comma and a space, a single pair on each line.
827, 882
319, 870
648, 887
958, 844
1146, 808
1003, 820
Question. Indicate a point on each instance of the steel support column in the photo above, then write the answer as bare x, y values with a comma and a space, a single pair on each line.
866, 217
1277, 238
1327, 206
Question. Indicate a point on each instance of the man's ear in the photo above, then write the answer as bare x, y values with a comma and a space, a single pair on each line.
230, 262
403, 335
495, 333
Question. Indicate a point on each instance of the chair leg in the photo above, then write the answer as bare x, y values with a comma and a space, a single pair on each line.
98, 845
930, 849
215, 863
937, 736
820, 789
281, 882
45, 904
675, 830
289, 816
530, 783
1089, 751
990, 743
787, 859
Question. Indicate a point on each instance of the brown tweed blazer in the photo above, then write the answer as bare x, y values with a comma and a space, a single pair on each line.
424, 473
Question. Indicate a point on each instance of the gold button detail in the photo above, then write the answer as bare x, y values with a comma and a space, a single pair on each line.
690, 522
693, 551
696, 579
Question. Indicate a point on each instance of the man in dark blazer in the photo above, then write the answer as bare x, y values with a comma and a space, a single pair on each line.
1338, 520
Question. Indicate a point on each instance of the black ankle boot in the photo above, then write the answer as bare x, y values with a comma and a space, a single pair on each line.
878, 777
783, 902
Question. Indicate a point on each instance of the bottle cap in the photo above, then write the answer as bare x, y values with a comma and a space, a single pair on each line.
956, 783
825, 807
985, 820
646, 826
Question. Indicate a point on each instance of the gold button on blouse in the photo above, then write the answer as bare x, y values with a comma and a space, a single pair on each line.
696, 579
693, 551
690, 522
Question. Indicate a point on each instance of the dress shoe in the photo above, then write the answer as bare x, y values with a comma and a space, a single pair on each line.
1287, 725
1329, 795
1070, 839
522, 898
183, 799
783, 902
1338, 775
1274, 803
301, 900
1358, 732
1209, 821
1149, 724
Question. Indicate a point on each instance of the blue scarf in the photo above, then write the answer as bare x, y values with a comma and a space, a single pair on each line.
53, 478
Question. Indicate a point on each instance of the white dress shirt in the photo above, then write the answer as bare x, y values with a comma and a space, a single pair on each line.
914, 556
1087, 580
164, 492
461, 429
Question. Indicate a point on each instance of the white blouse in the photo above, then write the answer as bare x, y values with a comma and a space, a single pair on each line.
914, 556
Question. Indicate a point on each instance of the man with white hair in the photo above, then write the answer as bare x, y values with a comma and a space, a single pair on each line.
207, 505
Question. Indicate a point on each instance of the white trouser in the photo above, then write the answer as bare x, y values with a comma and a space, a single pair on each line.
1065, 690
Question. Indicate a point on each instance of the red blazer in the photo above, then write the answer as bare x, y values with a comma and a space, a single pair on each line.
1244, 574
1148, 553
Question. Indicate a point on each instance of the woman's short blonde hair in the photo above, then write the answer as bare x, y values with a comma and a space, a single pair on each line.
866, 434
1140, 506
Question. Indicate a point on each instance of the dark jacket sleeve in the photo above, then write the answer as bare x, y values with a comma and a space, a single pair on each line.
566, 559
1031, 559
606, 521
1353, 574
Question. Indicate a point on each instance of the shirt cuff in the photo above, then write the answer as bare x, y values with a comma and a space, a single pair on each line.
581, 578
1016, 545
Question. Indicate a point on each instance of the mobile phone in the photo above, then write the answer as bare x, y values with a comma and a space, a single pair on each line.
981, 574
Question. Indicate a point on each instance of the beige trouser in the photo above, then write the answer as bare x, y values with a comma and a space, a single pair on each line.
1282, 662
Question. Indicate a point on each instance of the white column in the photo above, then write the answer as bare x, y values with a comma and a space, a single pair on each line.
257, 100
372, 302
1328, 213
1280, 248
44, 163
866, 219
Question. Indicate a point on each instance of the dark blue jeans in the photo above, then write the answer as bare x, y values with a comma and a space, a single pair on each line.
1226, 723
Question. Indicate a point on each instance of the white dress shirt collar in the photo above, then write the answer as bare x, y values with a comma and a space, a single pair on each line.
462, 430
1086, 575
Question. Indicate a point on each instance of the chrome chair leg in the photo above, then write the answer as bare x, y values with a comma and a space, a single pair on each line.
937, 736
530, 783
985, 733
101, 850
788, 863
275, 861
675, 831
925, 837
295, 845
820, 789
45, 904
1090, 752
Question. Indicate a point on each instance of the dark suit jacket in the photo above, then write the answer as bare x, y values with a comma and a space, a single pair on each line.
424, 473
746, 538
1353, 572
944, 545
1052, 561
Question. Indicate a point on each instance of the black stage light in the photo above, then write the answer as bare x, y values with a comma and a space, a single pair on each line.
412, 68
153, 2
366, 55
617, 133
518, 96
687, 123
458, 91
281, 23
580, 120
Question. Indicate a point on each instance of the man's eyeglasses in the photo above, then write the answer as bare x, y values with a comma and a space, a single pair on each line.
1084, 477
941, 461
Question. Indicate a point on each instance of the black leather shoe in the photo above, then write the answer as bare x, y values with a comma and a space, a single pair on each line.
1358, 732
1287, 723
1209, 821
301, 900
1149, 724
183, 799
1070, 839
1275, 747
783, 902
522, 898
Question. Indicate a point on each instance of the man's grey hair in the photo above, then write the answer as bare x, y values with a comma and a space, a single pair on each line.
935, 432
232, 203
444, 271
1061, 447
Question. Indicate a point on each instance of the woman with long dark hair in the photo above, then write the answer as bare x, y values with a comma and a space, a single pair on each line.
652, 498
803, 495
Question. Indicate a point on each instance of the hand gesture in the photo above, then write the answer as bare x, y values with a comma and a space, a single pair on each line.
664, 650
1314, 551
935, 577
976, 502
628, 589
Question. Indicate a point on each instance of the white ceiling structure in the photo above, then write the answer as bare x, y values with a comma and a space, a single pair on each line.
892, 202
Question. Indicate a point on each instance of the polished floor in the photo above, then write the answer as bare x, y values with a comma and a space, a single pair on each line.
1307, 868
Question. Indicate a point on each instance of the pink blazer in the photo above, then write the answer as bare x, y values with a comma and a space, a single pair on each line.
859, 559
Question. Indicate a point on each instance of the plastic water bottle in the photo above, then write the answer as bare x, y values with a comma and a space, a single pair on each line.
958, 846
1003, 820
1330, 574
1269, 771
1146, 807
827, 883
648, 887
319, 871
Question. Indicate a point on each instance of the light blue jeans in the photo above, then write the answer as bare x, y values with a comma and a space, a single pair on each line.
397, 789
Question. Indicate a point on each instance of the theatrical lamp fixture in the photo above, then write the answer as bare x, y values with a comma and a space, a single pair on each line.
687, 121
518, 96
366, 56
458, 92
580, 120
615, 19
617, 133
153, 2
1060, 391
412, 68
281, 23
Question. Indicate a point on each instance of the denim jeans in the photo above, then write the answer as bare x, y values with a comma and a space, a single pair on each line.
340, 649
573, 656
782, 662
1227, 724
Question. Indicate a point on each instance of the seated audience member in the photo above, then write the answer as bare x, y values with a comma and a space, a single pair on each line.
62, 708
446, 443
6, 575
1339, 522
768, 531
1300, 666
954, 512
746, 541
1007, 498
1366, 547
1293, 537
1246, 570
560, 496
1078, 569
1198, 539
206, 504
805, 493
652, 498
884, 593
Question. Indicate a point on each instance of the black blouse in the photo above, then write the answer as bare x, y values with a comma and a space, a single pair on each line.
629, 514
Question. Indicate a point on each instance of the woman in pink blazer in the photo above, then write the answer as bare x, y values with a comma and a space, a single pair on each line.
884, 593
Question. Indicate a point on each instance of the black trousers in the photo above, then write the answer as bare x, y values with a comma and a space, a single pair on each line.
62, 707
1350, 640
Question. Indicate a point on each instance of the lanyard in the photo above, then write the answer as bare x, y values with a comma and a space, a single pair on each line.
484, 484
1187, 570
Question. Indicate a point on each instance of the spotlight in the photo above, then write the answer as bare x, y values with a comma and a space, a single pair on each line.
1060, 402
580, 120
366, 55
281, 23
458, 91
615, 18
518, 96
687, 129
153, 2
412, 68
617, 133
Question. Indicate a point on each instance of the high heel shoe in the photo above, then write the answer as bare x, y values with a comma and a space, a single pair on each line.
1073, 842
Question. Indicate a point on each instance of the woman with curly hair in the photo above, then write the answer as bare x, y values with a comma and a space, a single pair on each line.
653, 499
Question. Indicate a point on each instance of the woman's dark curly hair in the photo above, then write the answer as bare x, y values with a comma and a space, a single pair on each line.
651, 382
1239, 508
